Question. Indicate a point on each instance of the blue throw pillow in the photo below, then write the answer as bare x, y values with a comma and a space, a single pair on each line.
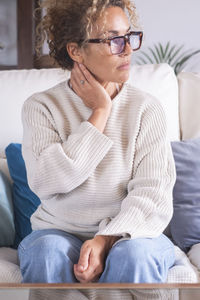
24, 200
185, 223
7, 228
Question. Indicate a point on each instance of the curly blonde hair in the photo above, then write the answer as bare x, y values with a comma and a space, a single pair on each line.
72, 21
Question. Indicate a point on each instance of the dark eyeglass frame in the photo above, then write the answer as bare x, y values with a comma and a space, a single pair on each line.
126, 39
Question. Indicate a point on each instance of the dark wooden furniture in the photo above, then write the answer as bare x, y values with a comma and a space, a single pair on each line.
26, 24
25, 34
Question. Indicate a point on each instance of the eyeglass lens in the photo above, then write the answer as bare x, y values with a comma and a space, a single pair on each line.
118, 44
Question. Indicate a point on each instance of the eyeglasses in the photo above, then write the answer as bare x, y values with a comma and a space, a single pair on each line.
118, 43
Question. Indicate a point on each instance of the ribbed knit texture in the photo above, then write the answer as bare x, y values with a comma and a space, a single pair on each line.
104, 294
118, 182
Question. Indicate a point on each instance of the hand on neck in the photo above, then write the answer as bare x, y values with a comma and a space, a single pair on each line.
112, 89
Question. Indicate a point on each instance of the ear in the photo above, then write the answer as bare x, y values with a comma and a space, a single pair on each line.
74, 52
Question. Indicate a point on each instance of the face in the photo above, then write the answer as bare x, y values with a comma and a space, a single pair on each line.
98, 58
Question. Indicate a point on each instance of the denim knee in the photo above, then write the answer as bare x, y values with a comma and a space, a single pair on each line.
139, 261
49, 256
141, 250
129, 255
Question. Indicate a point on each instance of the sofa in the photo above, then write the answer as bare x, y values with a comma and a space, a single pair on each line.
180, 97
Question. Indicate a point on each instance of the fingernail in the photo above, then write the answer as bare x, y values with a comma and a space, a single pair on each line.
81, 268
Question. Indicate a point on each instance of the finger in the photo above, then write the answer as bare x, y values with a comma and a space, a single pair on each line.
81, 276
79, 73
77, 271
84, 258
86, 272
86, 277
87, 74
76, 88
75, 77
95, 268
91, 274
78, 77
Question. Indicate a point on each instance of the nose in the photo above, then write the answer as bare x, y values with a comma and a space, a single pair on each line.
127, 49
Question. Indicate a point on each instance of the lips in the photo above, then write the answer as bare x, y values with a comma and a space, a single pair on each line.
124, 66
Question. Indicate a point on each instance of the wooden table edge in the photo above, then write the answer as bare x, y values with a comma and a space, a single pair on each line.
115, 286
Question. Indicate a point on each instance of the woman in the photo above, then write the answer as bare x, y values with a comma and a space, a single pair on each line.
97, 155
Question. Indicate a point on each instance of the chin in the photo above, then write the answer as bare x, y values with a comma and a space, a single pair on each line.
123, 77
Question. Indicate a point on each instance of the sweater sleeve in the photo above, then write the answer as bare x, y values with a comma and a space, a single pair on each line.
55, 166
148, 207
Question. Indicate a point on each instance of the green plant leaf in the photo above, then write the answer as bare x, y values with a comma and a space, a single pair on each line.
170, 53
158, 53
166, 49
183, 61
175, 54
161, 50
179, 58
147, 56
154, 55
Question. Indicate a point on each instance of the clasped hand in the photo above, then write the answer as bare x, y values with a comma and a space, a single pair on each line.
92, 93
91, 261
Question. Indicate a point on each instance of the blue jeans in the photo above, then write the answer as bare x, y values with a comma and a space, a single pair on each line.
48, 256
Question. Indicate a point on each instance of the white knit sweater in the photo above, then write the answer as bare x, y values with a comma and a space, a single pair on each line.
117, 183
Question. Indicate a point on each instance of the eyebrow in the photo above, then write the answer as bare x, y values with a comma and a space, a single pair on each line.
114, 31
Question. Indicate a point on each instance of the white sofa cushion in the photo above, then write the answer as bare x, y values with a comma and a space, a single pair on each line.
189, 101
9, 267
17, 85
182, 271
194, 255
160, 81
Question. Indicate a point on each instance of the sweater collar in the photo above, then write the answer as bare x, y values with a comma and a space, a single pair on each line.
114, 100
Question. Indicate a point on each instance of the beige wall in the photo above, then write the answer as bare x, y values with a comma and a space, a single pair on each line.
177, 21
8, 32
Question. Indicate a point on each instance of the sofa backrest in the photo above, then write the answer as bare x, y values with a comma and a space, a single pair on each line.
17, 85
189, 110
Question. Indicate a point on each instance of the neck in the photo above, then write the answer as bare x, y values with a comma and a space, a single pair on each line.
112, 88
